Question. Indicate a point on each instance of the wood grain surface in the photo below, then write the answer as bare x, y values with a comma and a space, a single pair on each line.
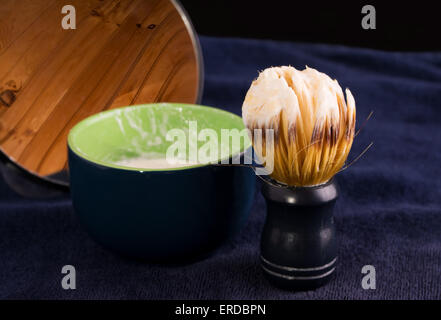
122, 52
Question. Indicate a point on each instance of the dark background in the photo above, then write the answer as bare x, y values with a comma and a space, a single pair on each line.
401, 25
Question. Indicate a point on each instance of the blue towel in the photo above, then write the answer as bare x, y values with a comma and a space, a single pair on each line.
388, 215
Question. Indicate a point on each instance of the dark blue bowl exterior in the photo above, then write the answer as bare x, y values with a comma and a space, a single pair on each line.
160, 216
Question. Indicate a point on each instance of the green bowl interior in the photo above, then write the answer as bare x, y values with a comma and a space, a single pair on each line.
118, 134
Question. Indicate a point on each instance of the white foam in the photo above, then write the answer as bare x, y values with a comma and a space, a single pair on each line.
144, 162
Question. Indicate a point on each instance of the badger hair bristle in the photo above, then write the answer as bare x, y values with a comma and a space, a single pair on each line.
313, 123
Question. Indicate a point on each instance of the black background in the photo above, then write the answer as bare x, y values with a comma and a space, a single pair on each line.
401, 25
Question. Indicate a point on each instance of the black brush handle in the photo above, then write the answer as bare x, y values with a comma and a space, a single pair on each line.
298, 243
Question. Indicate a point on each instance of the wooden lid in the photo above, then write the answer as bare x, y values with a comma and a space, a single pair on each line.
122, 52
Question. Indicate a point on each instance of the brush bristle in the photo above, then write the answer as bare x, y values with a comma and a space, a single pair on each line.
313, 124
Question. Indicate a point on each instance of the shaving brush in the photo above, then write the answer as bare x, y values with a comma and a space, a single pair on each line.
302, 129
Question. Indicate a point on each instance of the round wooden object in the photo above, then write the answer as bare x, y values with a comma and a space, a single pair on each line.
122, 52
